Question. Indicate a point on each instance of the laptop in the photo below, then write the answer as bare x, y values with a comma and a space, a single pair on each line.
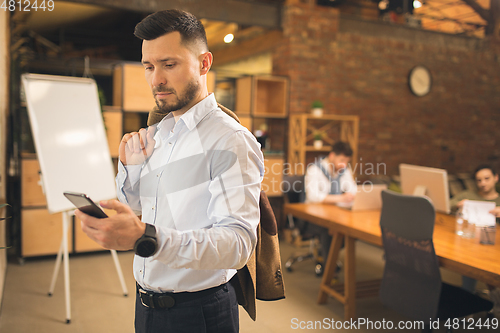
368, 197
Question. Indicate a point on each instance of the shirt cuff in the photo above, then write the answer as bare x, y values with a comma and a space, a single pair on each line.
132, 172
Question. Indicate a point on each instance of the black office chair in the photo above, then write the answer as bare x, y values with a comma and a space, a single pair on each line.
411, 284
293, 188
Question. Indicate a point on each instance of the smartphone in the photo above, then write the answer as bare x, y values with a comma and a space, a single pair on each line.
85, 204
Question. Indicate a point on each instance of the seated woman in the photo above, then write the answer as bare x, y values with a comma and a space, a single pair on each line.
486, 180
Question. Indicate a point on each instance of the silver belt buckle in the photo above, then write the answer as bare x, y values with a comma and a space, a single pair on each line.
150, 297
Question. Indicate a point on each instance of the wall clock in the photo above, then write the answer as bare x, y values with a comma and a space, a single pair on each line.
420, 81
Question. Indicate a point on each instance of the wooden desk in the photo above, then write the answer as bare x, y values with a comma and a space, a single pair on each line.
464, 256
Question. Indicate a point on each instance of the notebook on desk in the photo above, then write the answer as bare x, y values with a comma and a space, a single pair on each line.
368, 197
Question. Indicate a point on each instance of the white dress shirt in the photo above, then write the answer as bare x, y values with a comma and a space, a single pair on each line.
318, 186
200, 189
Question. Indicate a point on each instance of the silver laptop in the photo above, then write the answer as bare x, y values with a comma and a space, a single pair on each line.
368, 197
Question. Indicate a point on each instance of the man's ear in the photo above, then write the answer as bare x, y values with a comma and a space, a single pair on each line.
206, 60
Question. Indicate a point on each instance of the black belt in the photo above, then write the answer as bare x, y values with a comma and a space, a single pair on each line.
167, 300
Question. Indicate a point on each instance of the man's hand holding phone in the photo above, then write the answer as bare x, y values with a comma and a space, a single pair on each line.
136, 147
117, 232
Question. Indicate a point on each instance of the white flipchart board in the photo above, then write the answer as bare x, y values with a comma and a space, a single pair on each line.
70, 139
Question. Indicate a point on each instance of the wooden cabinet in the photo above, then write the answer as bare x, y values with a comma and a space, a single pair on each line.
131, 92
31, 184
303, 127
262, 106
113, 122
273, 177
41, 232
262, 96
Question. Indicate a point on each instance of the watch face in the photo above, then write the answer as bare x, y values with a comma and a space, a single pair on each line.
420, 81
146, 247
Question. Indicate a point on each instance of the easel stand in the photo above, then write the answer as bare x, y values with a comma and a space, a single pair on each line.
64, 255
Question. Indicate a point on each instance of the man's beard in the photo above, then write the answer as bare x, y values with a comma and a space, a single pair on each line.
189, 93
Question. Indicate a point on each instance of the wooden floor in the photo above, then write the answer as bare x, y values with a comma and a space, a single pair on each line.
98, 306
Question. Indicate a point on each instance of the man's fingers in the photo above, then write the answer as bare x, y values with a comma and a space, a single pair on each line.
130, 140
88, 220
126, 137
151, 132
142, 138
136, 144
115, 205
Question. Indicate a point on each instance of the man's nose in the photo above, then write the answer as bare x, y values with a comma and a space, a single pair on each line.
158, 79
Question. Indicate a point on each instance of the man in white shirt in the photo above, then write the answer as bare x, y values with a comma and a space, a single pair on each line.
329, 180
195, 178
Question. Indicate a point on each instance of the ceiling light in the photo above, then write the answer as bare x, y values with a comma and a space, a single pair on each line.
417, 4
382, 5
228, 38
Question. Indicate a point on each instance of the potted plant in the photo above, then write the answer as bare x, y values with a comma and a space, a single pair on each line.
318, 140
317, 108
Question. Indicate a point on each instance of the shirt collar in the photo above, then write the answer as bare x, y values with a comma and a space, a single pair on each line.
199, 111
191, 117
326, 164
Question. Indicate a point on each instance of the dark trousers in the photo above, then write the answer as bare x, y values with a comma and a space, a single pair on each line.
215, 313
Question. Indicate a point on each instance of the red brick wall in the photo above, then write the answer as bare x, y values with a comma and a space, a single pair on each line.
362, 69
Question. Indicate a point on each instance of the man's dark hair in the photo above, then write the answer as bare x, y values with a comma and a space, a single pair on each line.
167, 21
482, 167
342, 148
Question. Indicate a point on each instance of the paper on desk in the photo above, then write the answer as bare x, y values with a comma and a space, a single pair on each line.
477, 212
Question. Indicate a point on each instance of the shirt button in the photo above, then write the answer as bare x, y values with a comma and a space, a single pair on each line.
170, 143
152, 208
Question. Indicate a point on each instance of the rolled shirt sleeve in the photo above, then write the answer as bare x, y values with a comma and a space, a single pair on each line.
127, 185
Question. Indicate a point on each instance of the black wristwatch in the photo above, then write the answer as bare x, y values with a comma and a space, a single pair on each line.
147, 245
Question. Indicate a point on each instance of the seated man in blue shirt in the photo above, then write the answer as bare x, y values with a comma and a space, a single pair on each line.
330, 181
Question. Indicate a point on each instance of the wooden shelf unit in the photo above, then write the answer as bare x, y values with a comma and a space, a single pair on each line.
262, 96
113, 123
262, 104
131, 92
301, 130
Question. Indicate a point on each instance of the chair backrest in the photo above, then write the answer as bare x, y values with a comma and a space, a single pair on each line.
411, 284
294, 188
